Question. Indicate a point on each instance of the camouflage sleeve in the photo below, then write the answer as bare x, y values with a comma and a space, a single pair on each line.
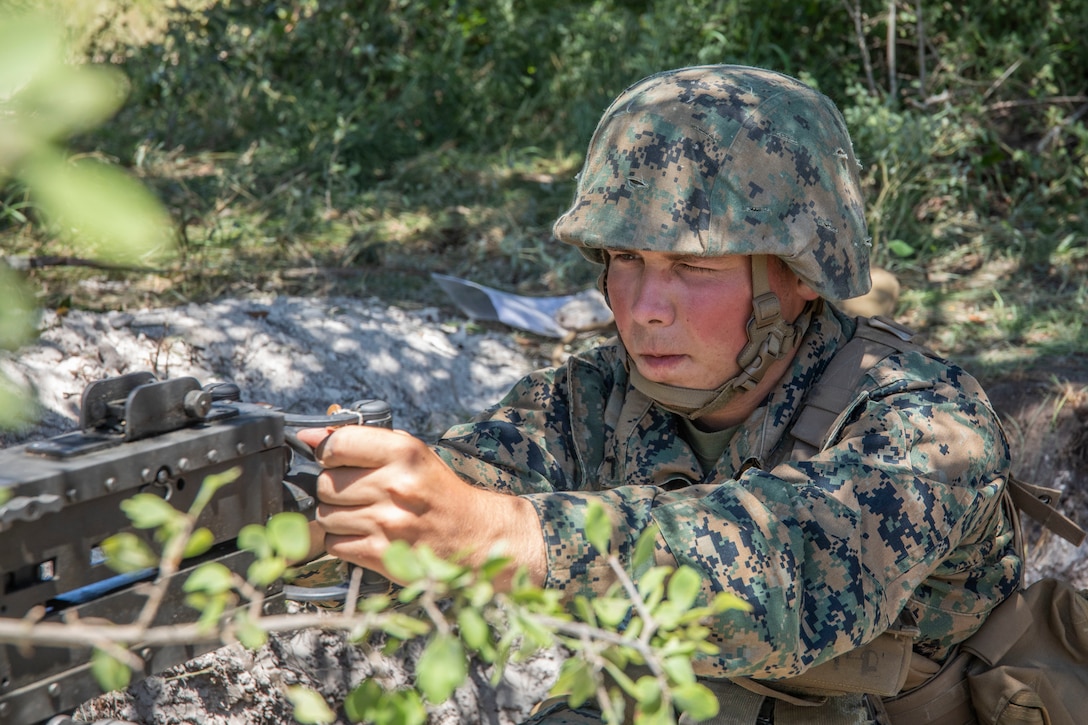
524, 444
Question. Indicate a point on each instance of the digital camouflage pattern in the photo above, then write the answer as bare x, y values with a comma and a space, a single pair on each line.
718, 160
902, 509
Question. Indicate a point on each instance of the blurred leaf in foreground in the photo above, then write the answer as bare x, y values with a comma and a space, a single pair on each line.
95, 207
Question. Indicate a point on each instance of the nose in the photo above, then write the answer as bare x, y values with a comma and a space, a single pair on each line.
652, 302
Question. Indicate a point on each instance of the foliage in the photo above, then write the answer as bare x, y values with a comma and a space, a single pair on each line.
96, 206
632, 647
376, 142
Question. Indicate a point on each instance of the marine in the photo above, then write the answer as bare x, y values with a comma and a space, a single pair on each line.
723, 205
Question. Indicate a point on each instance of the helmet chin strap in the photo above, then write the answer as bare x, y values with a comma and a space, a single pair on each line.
769, 339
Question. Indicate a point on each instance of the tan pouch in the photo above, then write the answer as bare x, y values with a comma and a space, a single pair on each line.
1032, 663
945, 699
878, 668
1028, 665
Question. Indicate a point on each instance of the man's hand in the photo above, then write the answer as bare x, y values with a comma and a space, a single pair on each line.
381, 486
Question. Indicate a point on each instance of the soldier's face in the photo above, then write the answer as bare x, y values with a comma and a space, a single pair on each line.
683, 319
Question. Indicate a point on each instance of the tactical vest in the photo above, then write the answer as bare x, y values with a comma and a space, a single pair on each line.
851, 689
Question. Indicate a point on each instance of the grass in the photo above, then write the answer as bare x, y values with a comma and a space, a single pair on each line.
488, 219
484, 218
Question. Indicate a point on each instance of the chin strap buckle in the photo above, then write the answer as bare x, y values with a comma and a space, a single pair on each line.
769, 336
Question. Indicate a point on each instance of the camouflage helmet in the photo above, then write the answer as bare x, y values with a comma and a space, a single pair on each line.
719, 160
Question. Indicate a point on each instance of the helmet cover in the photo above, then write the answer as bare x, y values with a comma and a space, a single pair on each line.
720, 160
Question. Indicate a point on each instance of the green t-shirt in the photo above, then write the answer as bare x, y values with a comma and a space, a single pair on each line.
708, 446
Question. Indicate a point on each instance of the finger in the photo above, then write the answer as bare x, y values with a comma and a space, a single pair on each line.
349, 487
346, 520
366, 551
365, 447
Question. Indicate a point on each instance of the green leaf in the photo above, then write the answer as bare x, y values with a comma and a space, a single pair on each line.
411, 592
645, 548
109, 672
18, 318
70, 98
441, 668
648, 694
148, 511
197, 600
263, 572
696, 700
598, 526
479, 594
494, 566
651, 585
584, 610
679, 669
684, 587
310, 707
726, 601
576, 681
534, 633
408, 708
437, 568
474, 629
619, 673
211, 578
249, 633
373, 603
289, 534
900, 248
668, 615
362, 702
210, 486
30, 46
658, 716
126, 552
362, 699
616, 708
254, 537
211, 609
110, 214
403, 563
200, 541
215, 481
611, 611
403, 626
370, 703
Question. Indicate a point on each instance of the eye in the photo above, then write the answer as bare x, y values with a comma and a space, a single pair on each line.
622, 256
689, 267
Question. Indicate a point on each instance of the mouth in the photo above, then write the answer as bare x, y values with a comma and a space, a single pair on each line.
658, 366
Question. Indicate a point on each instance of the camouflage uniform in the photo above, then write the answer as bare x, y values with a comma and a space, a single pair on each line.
902, 508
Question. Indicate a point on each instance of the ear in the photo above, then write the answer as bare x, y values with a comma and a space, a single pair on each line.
804, 291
